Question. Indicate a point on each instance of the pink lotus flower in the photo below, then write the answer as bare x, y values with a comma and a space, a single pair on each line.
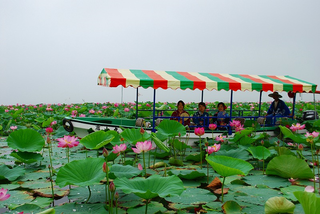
148, 105
3, 194
49, 130
104, 107
235, 123
116, 105
6, 110
13, 128
220, 138
99, 112
214, 148
297, 126
49, 109
120, 148
142, 147
239, 128
313, 134
290, 144
82, 115
140, 167
126, 109
293, 181
199, 131
212, 126
68, 141
309, 189
66, 109
91, 111
53, 123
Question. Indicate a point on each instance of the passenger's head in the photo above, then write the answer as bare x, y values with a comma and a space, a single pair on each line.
180, 105
202, 107
275, 95
221, 106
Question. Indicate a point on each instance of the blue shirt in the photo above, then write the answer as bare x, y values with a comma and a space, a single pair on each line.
201, 119
281, 109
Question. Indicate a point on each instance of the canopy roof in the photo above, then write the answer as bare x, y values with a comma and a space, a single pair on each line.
192, 80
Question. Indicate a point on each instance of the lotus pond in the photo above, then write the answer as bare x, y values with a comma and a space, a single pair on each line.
44, 170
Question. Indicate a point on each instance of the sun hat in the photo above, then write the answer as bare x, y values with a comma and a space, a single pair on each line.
275, 94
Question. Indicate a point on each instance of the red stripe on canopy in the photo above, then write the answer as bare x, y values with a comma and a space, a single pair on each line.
266, 86
197, 83
233, 85
115, 77
158, 81
295, 86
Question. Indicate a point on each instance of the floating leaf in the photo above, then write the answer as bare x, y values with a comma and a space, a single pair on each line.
277, 205
16, 199
81, 208
81, 172
133, 136
188, 174
26, 140
231, 207
153, 207
259, 152
288, 192
288, 166
171, 128
127, 171
151, 187
234, 153
193, 196
270, 181
10, 174
97, 139
227, 166
27, 157
80, 194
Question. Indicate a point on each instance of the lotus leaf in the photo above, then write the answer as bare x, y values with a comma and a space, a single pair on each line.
277, 205
153, 207
27, 157
288, 166
309, 201
127, 171
97, 139
259, 152
193, 196
133, 136
171, 128
159, 143
231, 207
151, 187
81, 172
227, 166
10, 174
26, 140
188, 174
234, 153
81, 208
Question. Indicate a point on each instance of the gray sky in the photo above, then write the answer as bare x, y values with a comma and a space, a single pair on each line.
53, 51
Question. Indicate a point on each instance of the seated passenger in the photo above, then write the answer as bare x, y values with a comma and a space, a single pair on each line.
201, 117
222, 116
181, 113
277, 107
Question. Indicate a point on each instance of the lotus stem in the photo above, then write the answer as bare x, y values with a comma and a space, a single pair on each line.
144, 165
165, 170
117, 206
224, 178
200, 153
207, 173
314, 173
89, 194
97, 154
146, 211
51, 171
51, 186
149, 159
318, 170
68, 154
154, 157
107, 188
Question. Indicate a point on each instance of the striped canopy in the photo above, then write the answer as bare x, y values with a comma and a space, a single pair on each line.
192, 80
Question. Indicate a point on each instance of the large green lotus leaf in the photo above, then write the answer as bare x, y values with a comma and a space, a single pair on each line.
153, 207
239, 135
195, 156
253, 195
116, 140
193, 196
270, 181
35, 184
26, 140
188, 174
284, 151
31, 176
171, 128
81, 208
295, 137
127, 171
48, 211
133, 136
234, 153
227, 166
288, 166
277, 205
231, 207
41, 202
259, 152
28, 208
151, 187
27, 157
80, 194
309, 201
60, 132
246, 140
288, 192
96, 140
81, 172
180, 145
10, 174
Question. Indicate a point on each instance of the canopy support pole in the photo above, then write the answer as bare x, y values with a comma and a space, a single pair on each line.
293, 105
315, 107
231, 100
121, 94
260, 103
137, 103
202, 96
154, 111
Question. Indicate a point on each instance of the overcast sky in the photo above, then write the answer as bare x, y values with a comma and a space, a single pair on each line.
53, 51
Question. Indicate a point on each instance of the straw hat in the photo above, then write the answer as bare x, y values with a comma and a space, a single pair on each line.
275, 94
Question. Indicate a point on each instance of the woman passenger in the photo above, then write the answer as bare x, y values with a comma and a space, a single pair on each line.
201, 117
222, 116
181, 113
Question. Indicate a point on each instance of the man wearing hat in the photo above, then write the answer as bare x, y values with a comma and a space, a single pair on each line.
277, 107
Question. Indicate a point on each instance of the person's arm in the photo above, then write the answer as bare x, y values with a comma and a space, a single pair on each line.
173, 116
270, 109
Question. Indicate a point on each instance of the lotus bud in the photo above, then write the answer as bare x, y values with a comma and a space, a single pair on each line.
105, 167
317, 151
112, 187
300, 147
142, 131
122, 139
116, 196
48, 140
179, 134
262, 142
105, 153
49, 130
206, 144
